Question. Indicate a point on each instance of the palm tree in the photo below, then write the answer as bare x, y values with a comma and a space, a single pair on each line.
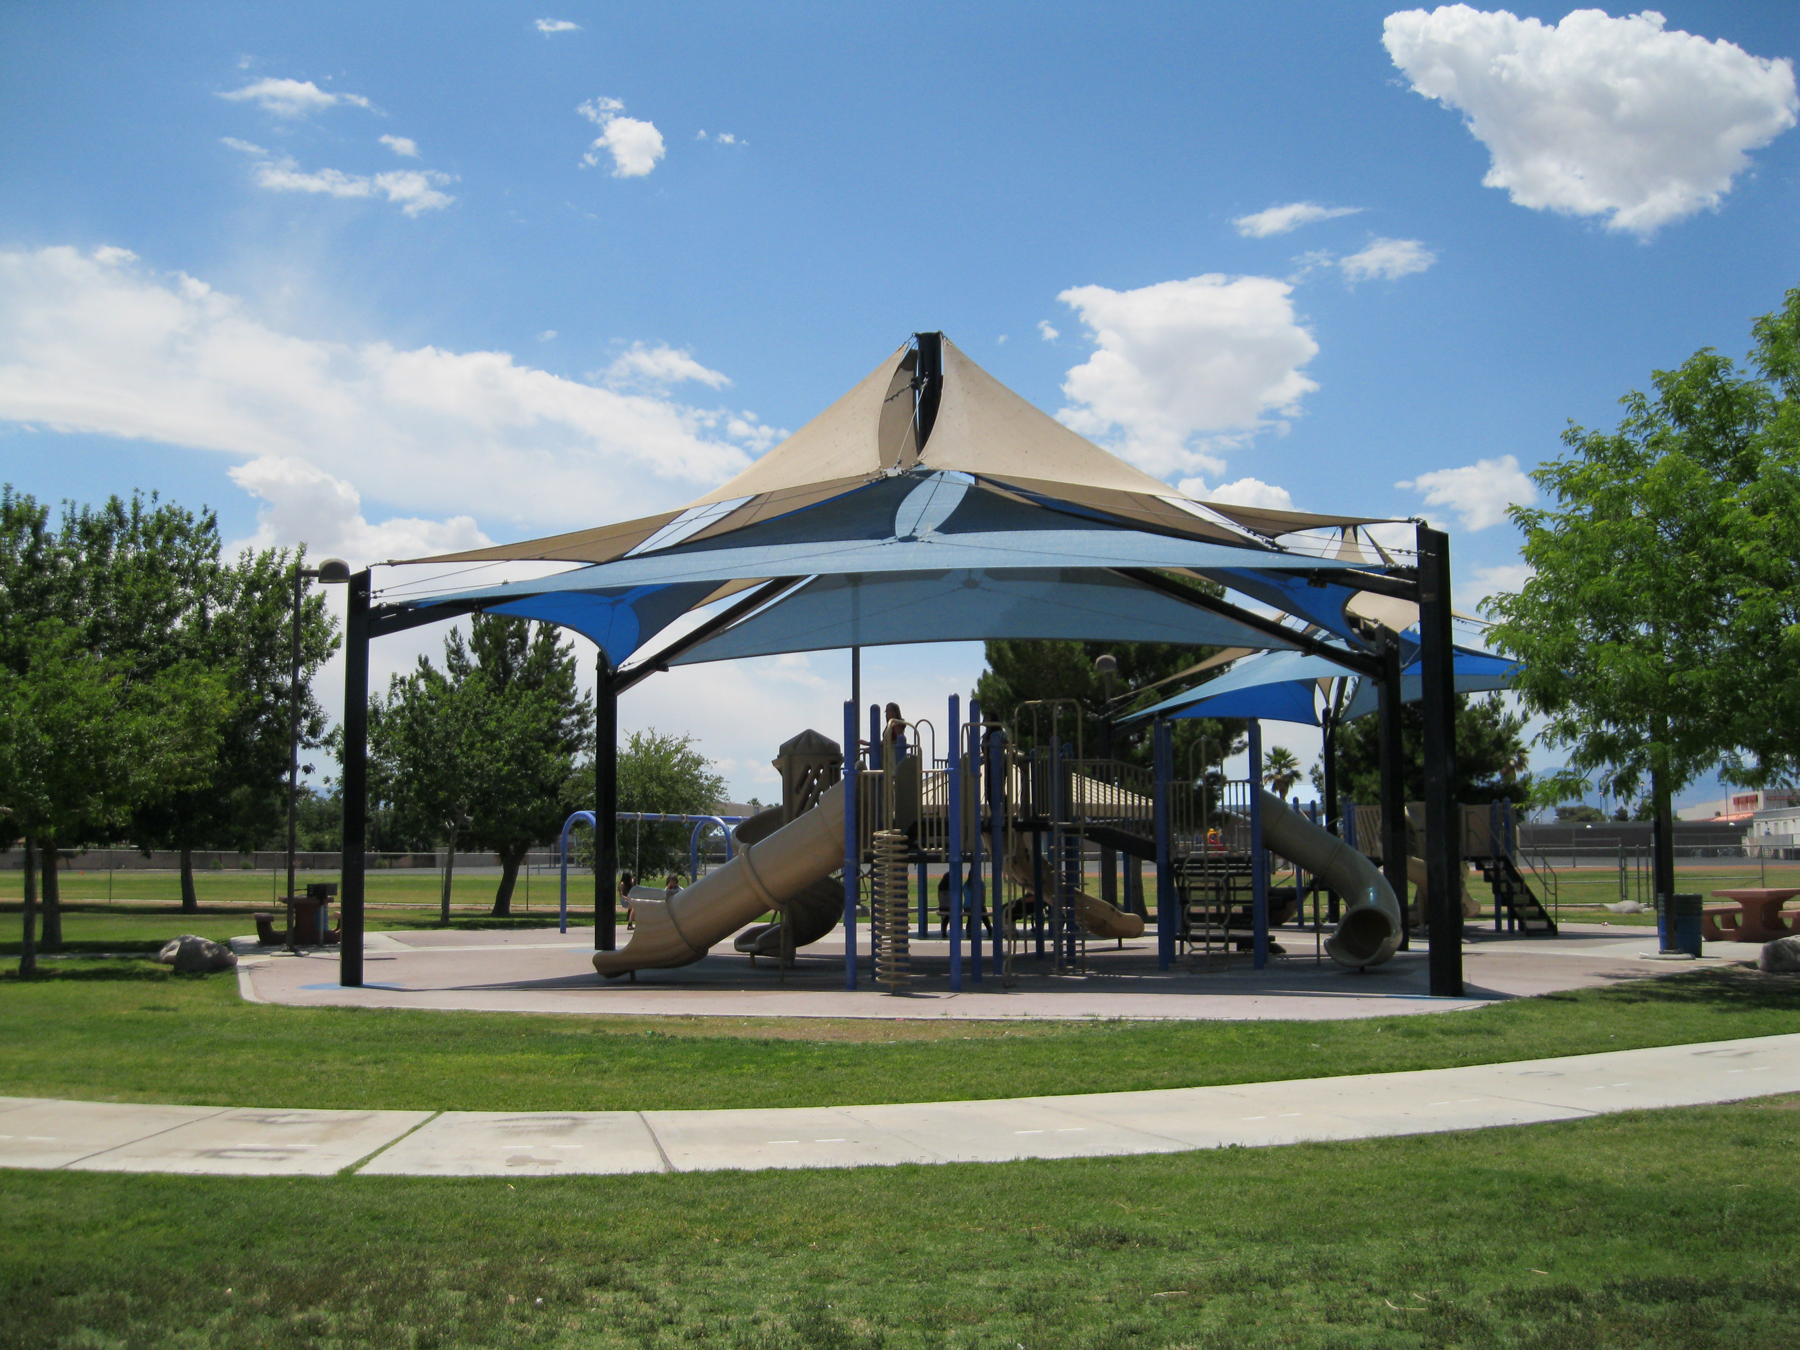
1280, 771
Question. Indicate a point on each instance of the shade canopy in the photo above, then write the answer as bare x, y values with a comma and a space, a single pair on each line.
930, 491
1276, 686
1476, 672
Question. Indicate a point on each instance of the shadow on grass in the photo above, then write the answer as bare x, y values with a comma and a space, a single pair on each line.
129, 971
1730, 989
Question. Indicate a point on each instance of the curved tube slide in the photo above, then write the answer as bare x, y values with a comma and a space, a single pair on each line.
1369, 932
1099, 918
762, 877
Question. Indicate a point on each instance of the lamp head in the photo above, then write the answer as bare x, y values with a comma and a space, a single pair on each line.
1106, 664
334, 571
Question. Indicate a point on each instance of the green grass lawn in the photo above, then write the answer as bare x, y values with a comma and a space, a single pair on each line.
129, 1030
1631, 1231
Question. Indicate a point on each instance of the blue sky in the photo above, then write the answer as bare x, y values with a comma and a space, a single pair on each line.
397, 278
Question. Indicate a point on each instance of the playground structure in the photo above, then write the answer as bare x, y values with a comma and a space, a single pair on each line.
1009, 814
932, 504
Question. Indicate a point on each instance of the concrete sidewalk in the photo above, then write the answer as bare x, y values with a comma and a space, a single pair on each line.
95, 1136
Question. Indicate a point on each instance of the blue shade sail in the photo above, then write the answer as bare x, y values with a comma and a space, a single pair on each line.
959, 605
617, 621
1277, 687
1475, 672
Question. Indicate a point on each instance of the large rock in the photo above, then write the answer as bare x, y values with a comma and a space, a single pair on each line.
1780, 956
191, 955
1626, 907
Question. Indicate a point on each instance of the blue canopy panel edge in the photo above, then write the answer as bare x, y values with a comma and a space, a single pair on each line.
969, 604
617, 621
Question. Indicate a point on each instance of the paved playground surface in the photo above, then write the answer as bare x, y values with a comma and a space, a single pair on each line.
107, 1137
547, 972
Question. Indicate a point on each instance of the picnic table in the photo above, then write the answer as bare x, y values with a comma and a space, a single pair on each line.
1756, 917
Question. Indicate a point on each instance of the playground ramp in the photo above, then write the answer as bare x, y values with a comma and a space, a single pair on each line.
763, 876
1369, 932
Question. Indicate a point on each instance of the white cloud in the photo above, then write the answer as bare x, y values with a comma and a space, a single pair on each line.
405, 146
1046, 332
1598, 116
292, 98
658, 366
1388, 259
557, 26
1251, 492
1474, 585
1479, 493
303, 502
547, 335
413, 190
635, 145
248, 147
1210, 357
105, 348
1281, 219
1000, 341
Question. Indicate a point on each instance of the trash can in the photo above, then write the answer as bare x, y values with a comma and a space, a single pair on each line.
1678, 922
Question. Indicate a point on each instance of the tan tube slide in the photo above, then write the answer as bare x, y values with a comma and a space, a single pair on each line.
760, 878
1098, 917
1369, 932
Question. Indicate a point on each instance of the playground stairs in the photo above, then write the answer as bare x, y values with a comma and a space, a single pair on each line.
1514, 892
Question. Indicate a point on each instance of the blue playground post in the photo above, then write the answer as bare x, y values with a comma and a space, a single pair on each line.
924, 890
1350, 824
953, 847
1037, 854
1259, 859
977, 890
852, 854
1164, 758
579, 818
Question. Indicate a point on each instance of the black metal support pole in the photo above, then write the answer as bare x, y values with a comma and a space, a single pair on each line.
355, 783
606, 805
293, 786
1328, 768
1393, 781
1443, 833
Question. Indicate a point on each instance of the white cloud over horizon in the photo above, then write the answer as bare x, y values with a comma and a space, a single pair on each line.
635, 145
97, 343
1284, 219
658, 366
1479, 493
1596, 116
1184, 370
292, 98
414, 191
404, 146
548, 26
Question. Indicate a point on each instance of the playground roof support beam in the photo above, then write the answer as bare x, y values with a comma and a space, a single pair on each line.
625, 679
1360, 662
355, 783
1443, 833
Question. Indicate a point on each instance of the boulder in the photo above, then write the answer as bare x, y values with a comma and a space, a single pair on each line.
1782, 956
1626, 907
192, 955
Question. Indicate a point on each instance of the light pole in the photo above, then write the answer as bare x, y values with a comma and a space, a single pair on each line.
330, 572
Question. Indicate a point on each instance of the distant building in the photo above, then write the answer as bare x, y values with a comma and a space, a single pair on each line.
1742, 805
1775, 833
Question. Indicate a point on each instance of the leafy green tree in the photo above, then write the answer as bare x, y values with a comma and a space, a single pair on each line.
1579, 814
660, 772
1490, 753
1660, 630
84, 741
480, 753
1018, 671
242, 629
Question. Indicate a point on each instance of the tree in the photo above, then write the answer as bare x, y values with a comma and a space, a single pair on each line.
84, 742
667, 774
131, 579
481, 751
1490, 753
242, 628
1019, 671
1660, 630
1579, 814
1280, 771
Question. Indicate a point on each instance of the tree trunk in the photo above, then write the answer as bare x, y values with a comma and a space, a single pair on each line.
449, 873
28, 941
53, 937
509, 877
190, 901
